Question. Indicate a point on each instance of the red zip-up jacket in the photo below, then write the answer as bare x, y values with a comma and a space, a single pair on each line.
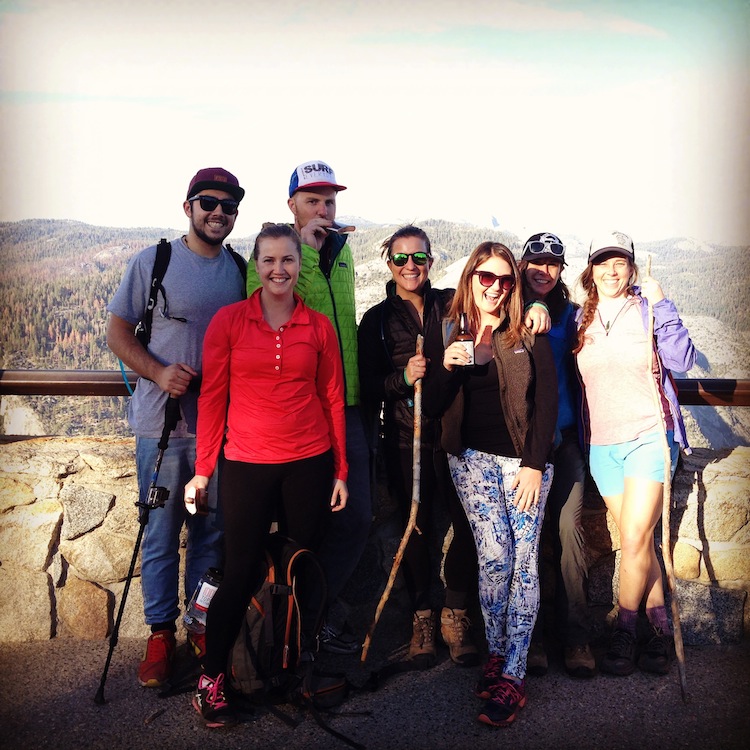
279, 393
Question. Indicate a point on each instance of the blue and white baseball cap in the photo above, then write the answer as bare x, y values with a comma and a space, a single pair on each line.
313, 174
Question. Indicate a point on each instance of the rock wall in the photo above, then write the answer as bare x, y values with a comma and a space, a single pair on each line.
68, 527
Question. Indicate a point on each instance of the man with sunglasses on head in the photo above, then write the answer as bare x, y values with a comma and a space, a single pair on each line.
201, 277
326, 284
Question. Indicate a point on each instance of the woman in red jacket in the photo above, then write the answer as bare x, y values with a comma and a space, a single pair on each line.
273, 385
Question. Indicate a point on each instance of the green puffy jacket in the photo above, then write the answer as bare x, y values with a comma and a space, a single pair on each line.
329, 289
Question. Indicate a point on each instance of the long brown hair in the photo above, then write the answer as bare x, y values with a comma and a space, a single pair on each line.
586, 281
463, 300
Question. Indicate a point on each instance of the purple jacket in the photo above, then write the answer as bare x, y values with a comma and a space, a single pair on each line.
675, 352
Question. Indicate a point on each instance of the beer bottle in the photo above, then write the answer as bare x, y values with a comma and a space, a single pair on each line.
465, 337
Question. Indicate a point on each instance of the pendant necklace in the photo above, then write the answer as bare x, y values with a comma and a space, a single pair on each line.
610, 323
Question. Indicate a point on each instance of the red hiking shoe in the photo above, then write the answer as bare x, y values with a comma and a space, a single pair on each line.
491, 675
156, 664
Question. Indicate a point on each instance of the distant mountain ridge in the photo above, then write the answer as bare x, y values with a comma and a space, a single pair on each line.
57, 276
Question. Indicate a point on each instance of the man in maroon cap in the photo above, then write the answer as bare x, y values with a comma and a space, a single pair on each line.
201, 276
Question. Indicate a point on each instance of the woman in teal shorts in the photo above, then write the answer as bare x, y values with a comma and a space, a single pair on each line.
625, 431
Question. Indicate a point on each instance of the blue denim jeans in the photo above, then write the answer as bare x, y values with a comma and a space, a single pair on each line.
348, 529
160, 552
507, 542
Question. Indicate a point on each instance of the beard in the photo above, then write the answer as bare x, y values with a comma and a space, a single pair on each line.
209, 240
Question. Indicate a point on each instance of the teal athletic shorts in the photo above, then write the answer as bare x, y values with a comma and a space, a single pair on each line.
641, 458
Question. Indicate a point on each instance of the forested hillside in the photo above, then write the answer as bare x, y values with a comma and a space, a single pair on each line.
56, 278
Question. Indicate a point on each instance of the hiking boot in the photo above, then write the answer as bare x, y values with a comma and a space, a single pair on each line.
620, 657
536, 660
338, 641
491, 675
454, 628
197, 644
656, 655
506, 699
211, 703
579, 661
422, 645
156, 665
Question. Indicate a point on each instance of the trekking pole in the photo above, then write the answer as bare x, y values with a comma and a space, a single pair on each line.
156, 498
666, 531
412, 523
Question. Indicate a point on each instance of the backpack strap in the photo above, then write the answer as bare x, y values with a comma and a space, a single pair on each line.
163, 254
241, 265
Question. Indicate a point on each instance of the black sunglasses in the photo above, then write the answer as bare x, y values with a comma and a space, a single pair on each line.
401, 259
488, 279
209, 203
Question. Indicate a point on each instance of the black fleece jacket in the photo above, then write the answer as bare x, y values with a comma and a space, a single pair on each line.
387, 339
528, 396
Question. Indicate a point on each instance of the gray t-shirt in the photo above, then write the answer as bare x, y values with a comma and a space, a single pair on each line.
196, 287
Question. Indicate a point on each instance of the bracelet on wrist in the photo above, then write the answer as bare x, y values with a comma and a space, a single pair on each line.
537, 302
406, 380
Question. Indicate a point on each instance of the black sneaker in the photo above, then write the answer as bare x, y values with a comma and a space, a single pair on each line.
211, 703
338, 641
506, 699
656, 655
620, 657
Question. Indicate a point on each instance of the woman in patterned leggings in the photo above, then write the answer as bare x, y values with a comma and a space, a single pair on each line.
498, 422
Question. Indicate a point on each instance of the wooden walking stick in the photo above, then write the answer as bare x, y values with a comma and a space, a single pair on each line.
666, 535
412, 523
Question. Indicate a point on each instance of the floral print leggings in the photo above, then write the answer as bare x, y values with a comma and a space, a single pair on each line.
507, 542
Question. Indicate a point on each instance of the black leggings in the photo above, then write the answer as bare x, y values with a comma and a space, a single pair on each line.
297, 494
437, 495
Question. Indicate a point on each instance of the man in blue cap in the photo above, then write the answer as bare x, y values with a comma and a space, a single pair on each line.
326, 284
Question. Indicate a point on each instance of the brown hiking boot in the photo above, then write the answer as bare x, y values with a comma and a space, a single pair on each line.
422, 646
454, 628
579, 661
536, 660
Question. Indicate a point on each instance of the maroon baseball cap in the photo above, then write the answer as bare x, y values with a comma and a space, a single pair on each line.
216, 178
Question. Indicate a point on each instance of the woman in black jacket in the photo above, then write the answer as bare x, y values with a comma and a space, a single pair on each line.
498, 427
389, 367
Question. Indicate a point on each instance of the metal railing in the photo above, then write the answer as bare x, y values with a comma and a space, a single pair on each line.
698, 392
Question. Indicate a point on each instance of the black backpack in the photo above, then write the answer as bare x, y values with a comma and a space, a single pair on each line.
270, 663
163, 255
266, 654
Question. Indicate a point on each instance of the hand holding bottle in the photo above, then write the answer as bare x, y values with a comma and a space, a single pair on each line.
466, 338
456, 356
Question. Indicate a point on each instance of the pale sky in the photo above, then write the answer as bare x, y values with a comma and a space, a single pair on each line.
560, 115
